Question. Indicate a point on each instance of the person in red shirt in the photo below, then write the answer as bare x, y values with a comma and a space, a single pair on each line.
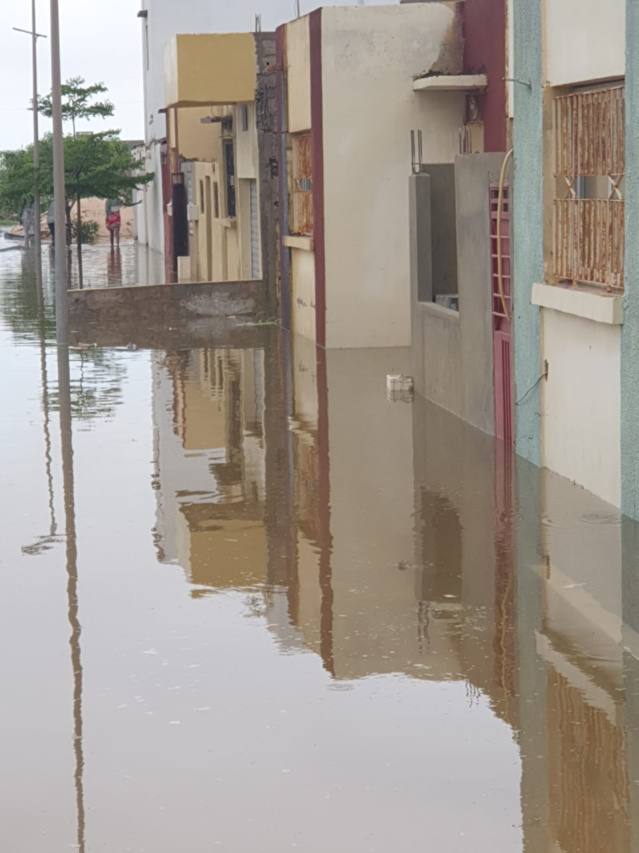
113, 224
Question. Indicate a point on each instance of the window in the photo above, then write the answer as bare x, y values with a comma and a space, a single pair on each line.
216, 200
588, 226
245, 118
302, 189
229, 166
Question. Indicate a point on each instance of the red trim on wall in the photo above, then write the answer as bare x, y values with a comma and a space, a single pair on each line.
485, 53
317, 153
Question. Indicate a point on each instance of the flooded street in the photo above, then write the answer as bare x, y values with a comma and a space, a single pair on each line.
249, 604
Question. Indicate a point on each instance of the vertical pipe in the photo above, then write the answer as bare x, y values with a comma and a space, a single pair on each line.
58, 180
36, 150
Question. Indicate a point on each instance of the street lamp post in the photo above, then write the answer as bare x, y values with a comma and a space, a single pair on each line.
36, 149
61, 286
35, 35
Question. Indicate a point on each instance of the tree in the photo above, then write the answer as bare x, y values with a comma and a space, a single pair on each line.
90, 155
78, 102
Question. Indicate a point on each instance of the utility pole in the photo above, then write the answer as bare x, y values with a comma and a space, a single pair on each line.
36, 151
35, 35
61, 286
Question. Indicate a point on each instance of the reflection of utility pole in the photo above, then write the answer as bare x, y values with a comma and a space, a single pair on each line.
66, 436
58, 180
36, 144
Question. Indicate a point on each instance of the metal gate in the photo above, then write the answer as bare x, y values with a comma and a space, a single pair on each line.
255, 232
502, 314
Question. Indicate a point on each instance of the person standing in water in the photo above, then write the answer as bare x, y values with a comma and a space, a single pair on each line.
113, 222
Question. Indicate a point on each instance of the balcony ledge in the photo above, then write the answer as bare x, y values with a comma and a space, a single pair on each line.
600, 307
451, 83
292, 241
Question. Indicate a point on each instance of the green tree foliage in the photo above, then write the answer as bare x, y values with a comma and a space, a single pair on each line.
78, 102
16, 182
97, 165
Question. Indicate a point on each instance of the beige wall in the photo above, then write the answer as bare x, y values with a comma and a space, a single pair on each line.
370, 57
582, 402
194, 138
298, 75
210, 69
246, 152
584, 40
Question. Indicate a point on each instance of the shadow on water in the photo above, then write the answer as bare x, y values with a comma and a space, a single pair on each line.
295, 591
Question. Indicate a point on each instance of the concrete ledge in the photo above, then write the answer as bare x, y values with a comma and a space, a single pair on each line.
439, 311
306, 244
451, 83
167, 304
600, 307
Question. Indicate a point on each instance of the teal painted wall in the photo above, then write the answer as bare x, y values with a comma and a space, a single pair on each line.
630, 330
528, 224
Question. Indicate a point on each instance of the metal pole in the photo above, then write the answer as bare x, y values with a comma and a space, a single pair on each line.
61, 286
36, 150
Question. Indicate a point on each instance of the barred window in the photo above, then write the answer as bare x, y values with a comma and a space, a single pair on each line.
588, 238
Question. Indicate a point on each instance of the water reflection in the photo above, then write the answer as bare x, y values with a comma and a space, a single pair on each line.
300, 598
401, 553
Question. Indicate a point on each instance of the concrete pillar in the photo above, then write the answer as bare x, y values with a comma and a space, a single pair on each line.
528, 231
630, 329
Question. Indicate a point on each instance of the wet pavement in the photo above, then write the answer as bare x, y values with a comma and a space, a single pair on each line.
249, 604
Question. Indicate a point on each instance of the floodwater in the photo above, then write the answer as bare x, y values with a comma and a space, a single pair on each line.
249, 604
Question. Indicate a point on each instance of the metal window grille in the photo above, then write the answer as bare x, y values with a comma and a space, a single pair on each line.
302, 189
589, 210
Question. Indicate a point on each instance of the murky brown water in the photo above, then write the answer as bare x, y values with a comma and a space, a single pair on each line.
248, 604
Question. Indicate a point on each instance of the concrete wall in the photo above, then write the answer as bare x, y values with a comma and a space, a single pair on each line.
581, 402
527, 223
195, 138
210, 68
369, 59
298, 71
584, 40
485, 53
166, 302
630, 330
453, 352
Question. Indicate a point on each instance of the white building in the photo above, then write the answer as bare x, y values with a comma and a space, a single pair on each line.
163, 19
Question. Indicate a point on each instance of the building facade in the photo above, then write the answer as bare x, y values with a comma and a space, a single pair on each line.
569, 237
348, 109
220, 105
161, 21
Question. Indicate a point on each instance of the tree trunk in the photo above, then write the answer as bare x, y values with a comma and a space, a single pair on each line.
79, 226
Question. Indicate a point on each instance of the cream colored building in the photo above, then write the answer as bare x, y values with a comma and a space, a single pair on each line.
350, 112
570, 129
220, 217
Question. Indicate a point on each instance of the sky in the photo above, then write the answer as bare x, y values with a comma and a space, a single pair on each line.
100, 41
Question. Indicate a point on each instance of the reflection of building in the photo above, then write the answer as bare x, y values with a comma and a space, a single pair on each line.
210, 464
384, 539
575, 785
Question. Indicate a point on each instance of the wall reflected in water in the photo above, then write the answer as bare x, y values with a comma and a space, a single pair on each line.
390, 538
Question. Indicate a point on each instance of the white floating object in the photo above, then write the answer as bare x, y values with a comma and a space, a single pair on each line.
400, 388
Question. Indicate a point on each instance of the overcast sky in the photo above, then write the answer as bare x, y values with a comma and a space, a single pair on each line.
100, 41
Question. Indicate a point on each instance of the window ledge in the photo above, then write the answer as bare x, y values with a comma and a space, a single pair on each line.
439, 311
600, 307
229, 222
292, 241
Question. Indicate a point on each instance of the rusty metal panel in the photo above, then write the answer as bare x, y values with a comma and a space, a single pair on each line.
302, 188
589, 222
